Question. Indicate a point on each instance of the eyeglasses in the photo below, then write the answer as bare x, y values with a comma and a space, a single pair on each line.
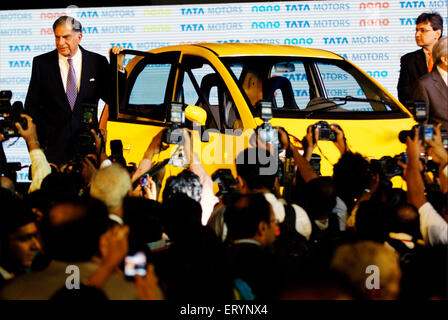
423, 30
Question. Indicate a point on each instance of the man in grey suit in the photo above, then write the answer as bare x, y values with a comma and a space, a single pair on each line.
432, 87
76, 235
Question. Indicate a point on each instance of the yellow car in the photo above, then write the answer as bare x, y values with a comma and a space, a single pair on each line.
221, 86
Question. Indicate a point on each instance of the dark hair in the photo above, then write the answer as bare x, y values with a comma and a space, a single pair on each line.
185, 182
250, 167
351, 175
75, 24
181, 214
373, 221
320, 197
73, 236
244, 214
143, 216
15, 213
433, 18
405, 218
62, 184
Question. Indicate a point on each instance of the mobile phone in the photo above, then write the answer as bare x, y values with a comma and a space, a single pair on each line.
135, 265
428, 132
144, 180
444, 139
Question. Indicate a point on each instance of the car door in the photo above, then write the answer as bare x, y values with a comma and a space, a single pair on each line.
138, 110
219, 141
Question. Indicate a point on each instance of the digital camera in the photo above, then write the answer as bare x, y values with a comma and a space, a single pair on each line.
9, 115
173, 134
325, 131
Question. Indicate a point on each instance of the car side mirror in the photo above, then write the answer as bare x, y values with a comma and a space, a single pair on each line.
196, 114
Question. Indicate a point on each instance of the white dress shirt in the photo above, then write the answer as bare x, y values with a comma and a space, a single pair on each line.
443, 74
433, 227
64, 66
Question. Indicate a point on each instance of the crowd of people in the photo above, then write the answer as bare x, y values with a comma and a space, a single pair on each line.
87, 219
347, 236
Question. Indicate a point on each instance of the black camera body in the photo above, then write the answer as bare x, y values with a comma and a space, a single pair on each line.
225, 180
389, 165
9, 115
325, 131
116, 152
83, 143
173, 134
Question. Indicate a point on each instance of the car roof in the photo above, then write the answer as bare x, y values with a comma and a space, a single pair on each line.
255, 49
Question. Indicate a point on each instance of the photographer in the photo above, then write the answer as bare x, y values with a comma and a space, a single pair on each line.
40, 168
439, 155
309, 141
207, 198
433, 227
249, 164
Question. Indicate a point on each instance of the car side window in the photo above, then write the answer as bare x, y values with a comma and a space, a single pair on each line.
214, 90
297, 78
148, 92
150, 86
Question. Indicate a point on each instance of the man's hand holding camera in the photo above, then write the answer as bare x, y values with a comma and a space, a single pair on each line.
436, 149
29, 134
439, 155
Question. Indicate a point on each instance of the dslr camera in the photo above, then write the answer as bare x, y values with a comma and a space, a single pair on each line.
389, 165
225, 180
325, 131
85, 142
173, 134
10, 114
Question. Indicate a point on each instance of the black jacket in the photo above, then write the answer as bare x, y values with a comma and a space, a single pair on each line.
412, 67
46, 101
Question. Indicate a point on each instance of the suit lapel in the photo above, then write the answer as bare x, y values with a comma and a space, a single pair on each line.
85, 62
59, 85
439, 84
420, 62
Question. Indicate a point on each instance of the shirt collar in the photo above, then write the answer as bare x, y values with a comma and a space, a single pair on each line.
75, 58
5, 274
443, 74
116, 218
247, 241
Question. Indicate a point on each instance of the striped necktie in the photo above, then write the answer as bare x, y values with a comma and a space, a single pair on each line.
72, 89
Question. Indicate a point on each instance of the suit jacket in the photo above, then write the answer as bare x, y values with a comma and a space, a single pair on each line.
46, 101
433, 90
257, 267
412, 67
42, 285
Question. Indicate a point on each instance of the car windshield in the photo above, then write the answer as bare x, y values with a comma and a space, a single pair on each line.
306, 87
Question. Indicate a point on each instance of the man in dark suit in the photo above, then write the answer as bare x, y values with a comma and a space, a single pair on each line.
432, 87
252, 230
61, 81
415, 64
